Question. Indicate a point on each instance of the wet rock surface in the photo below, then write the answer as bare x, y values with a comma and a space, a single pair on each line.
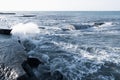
5, 73
98, 23
12, 55
79, 27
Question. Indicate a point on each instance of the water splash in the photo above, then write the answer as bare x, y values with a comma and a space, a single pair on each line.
25, 30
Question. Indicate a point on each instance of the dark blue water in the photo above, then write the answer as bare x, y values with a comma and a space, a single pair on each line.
73, 45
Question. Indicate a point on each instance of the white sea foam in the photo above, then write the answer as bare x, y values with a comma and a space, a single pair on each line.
107, 24
103, 27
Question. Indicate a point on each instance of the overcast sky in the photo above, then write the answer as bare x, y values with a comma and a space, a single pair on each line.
58, 5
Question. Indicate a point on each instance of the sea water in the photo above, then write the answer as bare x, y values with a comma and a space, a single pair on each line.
77, 45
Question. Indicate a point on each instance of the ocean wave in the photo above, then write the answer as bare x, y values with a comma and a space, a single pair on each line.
68, 61
106, 24
69, 47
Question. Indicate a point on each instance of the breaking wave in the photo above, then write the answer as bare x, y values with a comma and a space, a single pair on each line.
66, 61
25, 30
70, 50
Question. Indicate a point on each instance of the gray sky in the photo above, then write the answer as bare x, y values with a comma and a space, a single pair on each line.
56, 5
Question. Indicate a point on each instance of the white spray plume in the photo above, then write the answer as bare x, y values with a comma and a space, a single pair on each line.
25, 30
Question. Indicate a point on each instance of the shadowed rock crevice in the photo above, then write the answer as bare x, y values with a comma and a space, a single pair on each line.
28, 66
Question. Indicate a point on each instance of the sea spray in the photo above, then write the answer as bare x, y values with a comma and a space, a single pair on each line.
84, 54
22, 30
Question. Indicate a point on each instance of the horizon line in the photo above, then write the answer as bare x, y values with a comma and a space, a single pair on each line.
58, 10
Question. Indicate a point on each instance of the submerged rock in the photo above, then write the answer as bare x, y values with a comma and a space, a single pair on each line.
79, 27
57, 75
33, 62
98, 23
29, 65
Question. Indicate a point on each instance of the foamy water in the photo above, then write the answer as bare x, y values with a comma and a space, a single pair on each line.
70, 45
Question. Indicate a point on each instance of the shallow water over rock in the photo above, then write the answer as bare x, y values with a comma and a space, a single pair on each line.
12, 55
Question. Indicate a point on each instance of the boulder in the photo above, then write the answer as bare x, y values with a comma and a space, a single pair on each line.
28, 66
80, 27
33, 62
98, 23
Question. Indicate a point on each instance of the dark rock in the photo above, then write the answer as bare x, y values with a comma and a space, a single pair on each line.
28, 67
28, 16
19, 41
33, 62
23, 77
98, 23
5, 31
65, 29
29, 72
79, 27
41, 27
2, 13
